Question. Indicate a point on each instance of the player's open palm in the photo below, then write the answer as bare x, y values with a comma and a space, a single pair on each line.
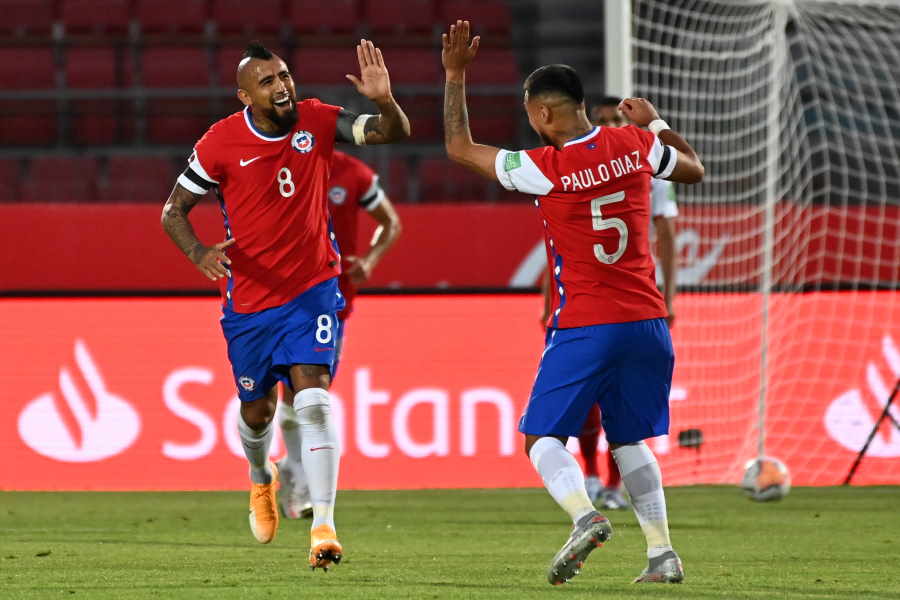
373, 81
212, 261
457, 51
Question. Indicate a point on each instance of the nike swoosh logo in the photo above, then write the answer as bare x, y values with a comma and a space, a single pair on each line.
244, 163
321, 448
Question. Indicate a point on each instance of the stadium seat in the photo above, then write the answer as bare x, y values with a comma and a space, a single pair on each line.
323, 15
173, 66
413, 65
26, 68
396, 181
100, 122
425, 116
323, 66
90, 68
26, 17
494, 67
227, 59
240, 16
10, 171
59, 179
170, 16
228, 56
494, 119
485, 15
137, 179
441, 180
95, 16
400, 15
178, 121
32, 123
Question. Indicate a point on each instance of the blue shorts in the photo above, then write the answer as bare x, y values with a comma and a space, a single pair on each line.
263, 345
625, 367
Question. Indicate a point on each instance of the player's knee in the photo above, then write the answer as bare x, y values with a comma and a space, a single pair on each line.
256, 418
314, 414
313, 406
529, 442
258, 413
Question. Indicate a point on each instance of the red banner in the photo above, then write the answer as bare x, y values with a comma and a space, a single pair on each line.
138, 394
123, 247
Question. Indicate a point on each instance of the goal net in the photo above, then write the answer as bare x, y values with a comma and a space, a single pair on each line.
788, 327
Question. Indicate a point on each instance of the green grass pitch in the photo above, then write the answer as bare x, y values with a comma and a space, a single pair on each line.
817, 543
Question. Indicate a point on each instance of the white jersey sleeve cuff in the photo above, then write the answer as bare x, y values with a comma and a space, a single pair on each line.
502, 175
189, 185
516, 171
667, 162
662, 159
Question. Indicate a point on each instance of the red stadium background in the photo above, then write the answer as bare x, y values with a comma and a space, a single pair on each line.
122, 247
135, 394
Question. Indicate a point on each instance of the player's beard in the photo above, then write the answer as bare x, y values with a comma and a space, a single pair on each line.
283, 120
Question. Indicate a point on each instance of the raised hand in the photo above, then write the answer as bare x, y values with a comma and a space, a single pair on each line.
639, 111
212, 261
457, 51
373, 81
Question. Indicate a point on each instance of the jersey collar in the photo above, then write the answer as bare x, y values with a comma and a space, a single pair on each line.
585, 137
260, 134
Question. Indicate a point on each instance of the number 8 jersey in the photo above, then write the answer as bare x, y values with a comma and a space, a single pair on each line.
594, 198
272, 191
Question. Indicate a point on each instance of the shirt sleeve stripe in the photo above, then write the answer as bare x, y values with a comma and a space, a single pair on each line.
656, 151
664, 160
667, 162
190, 186
371, 202
197, 179
373, 189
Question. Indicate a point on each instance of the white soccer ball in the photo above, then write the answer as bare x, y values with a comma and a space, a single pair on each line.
766, 478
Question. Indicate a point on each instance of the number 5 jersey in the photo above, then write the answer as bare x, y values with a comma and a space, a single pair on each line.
594, 199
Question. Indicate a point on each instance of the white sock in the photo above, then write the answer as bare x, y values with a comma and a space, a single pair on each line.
321, 454
562, 476
256, 448
290, 432
643, 480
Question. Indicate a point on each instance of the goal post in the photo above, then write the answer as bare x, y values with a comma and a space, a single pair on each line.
789, 251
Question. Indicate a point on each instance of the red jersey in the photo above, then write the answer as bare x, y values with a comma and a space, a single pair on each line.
353, 185
272, 193
594, 197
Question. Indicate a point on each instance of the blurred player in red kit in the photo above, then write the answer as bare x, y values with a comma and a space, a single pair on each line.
278, 266
353, 188
608, 341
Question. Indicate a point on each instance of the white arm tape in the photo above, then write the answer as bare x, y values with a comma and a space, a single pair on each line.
657, 125
359, 129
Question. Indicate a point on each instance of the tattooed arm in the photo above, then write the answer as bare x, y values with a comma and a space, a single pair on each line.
209, 260
457, 52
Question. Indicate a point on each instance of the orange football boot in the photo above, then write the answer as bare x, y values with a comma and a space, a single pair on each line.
264, 509
324, 548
